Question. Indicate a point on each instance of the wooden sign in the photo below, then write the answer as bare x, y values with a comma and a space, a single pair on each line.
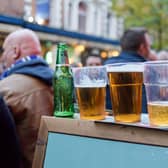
74, 143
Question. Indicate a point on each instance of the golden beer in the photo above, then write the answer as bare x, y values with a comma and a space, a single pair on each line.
126, 95
158, 113
91, 101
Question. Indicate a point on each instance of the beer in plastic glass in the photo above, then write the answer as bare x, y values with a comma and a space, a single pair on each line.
90, 86
125, 81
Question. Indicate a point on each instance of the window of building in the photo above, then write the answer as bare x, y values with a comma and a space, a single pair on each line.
82, 17
108, 24
95, 20
28, 14
42, 11
69, 13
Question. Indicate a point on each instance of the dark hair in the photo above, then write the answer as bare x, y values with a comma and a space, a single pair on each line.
133, 38
84, 58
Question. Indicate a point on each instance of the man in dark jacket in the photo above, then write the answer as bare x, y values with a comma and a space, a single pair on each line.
135, 47
26, 87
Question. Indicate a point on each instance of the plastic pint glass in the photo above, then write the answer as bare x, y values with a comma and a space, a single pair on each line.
125, 81
156, 85
90, 86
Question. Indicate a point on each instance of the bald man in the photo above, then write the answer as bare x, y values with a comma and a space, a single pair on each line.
26, 86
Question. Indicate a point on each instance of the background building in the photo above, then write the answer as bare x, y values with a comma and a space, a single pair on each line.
95, 25
14, 7
85, 16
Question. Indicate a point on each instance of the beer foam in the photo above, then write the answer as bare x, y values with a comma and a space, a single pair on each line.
159, 103
86, 81
125, 68
90, 86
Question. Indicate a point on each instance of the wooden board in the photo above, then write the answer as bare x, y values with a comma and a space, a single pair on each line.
60, 141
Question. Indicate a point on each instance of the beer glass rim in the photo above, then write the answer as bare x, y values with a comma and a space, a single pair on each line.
115, 65
124, 63
157, 62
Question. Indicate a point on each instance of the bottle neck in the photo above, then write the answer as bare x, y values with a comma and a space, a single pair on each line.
62, 56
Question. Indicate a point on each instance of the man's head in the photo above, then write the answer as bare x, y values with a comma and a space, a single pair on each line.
136, 40
20, 44
92, 60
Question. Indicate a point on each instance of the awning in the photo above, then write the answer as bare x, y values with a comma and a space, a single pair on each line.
55, 35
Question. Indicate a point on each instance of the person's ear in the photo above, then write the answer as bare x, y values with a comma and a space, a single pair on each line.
141, 49
16, 52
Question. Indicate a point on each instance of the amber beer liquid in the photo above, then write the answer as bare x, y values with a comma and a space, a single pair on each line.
91, 102
126, 95
158, 113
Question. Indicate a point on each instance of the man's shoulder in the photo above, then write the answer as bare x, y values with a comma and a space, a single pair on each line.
125, 57
17, 86
19, 83
114, 60
14, 79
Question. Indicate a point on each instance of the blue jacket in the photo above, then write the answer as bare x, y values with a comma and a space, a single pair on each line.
126, 57
36, 67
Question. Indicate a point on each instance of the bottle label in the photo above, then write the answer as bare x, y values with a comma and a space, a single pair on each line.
63, 94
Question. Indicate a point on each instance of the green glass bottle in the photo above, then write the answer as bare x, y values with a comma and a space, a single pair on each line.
63, 84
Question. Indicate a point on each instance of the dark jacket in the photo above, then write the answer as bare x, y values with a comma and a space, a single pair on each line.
27, 90
10, 155
126, 57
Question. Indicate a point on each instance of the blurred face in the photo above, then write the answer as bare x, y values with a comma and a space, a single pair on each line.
93, 61
1, 61
146, 47
148, 44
